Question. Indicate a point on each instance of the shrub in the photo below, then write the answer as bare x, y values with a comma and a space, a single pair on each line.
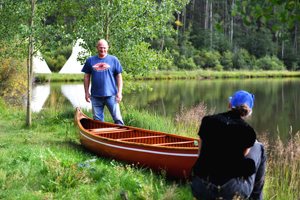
13, 77
199, 61
269, 63
212, 58
295, 66
187, 64
218, 67
243, 60
227, 60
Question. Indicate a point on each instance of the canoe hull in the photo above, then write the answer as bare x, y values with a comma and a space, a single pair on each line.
176, 162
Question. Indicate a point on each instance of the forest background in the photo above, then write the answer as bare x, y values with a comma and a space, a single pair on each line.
198, 44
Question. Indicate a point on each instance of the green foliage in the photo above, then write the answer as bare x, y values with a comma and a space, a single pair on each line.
269, 63
199, 60
212, 59
243, 60
13, 80
57, 58
264, 11
227, 60
125, 24
187, 64
258, 43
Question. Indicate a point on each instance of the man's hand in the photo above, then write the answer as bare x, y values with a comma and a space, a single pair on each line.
88, 97
119, 97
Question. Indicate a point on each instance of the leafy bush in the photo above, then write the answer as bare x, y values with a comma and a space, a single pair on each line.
187, 64
13, 78
199, 60
269, 63
227, 60
243, 60
212, 59
295, 66
218, 67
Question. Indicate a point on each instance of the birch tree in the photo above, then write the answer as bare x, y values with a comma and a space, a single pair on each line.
25, 21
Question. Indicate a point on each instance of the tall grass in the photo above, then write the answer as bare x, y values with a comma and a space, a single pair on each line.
189, 120
283, 169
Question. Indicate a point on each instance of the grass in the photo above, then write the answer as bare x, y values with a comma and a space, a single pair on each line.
46, 161
161, 75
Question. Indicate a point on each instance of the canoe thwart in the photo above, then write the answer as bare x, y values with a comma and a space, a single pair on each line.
105, 129
173, 143
145, 137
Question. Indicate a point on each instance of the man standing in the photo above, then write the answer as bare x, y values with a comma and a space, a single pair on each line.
105, 71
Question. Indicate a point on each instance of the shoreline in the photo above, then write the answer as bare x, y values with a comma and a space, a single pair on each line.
173, 75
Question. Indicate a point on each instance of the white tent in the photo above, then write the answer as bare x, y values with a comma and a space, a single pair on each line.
76, 95
72, 66
40, 66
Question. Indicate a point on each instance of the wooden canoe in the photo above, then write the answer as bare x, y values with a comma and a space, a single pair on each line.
157, 150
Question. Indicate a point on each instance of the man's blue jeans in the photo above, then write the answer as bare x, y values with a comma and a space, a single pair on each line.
111, 103
251, 187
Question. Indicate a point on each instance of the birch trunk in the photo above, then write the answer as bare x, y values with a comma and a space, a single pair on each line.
206, 16
295, 41
177, 28
282, 46
231, 25
184, 19
211, 29
225, 17
193, 9
30, 66
107, 21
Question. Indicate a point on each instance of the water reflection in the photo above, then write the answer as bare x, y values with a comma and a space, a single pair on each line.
276, 106
40, 93
76, 95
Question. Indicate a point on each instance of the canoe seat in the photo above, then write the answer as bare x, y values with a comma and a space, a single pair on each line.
105, 129
173, 143
145, 137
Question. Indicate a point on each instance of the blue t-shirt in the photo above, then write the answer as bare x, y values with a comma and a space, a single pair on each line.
103, 72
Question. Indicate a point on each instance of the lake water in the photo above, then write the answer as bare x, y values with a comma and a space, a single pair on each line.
276, 108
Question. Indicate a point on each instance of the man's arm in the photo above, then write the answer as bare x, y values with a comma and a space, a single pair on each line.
246, 151
120, 87
86, 84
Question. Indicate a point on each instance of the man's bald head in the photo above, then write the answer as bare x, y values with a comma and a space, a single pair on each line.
102, 47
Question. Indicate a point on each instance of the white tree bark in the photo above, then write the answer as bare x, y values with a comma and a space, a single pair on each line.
231, 25
211, 27
206, 15
30, 66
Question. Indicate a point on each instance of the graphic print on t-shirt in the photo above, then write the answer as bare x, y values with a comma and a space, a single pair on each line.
101, 66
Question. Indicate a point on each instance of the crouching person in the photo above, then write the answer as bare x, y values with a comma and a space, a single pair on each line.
231, 163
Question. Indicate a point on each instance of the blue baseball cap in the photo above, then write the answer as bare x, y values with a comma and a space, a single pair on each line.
241, 97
